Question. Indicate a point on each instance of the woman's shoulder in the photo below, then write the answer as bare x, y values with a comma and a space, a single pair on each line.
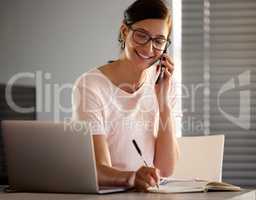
93, 79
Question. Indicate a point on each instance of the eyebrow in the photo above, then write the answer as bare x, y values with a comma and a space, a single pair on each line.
142, 29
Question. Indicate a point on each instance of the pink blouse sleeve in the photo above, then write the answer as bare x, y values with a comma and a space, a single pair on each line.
87, 107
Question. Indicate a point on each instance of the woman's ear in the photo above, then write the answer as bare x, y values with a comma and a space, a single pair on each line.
124, 31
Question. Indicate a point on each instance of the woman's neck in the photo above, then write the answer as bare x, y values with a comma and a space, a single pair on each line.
130, 76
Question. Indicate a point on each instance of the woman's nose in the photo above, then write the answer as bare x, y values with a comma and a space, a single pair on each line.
149, 47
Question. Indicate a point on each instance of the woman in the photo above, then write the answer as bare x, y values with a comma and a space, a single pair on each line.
122, 102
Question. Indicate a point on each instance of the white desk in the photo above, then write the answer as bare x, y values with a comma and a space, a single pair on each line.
243, 195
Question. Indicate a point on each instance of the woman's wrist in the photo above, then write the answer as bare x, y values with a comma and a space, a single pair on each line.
164, 108
130, 179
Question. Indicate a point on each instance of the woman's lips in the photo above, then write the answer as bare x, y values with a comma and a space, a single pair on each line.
144, 57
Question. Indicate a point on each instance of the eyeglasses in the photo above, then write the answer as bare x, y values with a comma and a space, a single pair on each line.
141, 37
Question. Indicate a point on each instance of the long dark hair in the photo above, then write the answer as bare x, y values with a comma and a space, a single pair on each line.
145, 9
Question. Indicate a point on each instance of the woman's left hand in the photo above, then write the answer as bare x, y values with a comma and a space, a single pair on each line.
164, 86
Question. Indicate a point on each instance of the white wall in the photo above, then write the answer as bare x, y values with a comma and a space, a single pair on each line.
62, 37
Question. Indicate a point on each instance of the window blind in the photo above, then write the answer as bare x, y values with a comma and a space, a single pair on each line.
224, 35
192, 67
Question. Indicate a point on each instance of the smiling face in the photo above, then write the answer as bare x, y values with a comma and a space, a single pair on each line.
143, 55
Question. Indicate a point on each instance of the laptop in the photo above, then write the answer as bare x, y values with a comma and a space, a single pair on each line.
51, 157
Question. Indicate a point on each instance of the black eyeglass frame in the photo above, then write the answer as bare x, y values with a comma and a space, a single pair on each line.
167, 44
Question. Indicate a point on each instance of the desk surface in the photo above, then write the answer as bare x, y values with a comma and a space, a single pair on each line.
243, 195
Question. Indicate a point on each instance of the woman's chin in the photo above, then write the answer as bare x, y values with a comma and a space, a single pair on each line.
143, 63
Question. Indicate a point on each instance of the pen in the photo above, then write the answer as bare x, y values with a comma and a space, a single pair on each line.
139, 152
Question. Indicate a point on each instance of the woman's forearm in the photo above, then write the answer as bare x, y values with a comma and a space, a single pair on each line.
109, 176
166, 147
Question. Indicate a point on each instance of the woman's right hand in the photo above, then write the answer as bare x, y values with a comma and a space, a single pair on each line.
146, 177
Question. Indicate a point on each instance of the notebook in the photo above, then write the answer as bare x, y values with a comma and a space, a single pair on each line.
191, 185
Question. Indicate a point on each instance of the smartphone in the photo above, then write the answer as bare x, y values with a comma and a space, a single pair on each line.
161, 74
